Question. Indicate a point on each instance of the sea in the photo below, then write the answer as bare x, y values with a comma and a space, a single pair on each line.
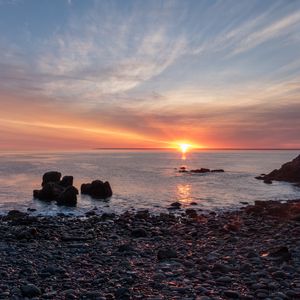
145, 179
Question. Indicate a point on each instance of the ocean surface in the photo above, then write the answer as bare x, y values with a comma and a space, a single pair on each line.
145, 179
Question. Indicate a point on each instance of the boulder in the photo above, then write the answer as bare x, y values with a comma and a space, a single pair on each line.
289, 172
66, 181
49, 192
52, 176
68, 197
97, 189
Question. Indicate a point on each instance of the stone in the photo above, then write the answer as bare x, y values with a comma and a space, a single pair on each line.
97, 189
166, 253
192, 213
202, 170
281, 253
68, 197
268, 181
52, 176
232, 294
122, 294
30, 290
66, 181
139, 232
175, 205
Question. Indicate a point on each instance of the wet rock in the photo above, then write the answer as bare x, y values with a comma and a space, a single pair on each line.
15, 214
97, 189
218, 171
202, 170
30, 290
52, 176
175, 205
68, 197
66, 181
268, 181
49, 192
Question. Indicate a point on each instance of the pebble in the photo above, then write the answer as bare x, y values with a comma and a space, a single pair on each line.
30, 290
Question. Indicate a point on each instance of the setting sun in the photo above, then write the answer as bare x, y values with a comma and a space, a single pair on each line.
184, 147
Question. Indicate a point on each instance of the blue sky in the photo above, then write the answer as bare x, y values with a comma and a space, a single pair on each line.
216, 73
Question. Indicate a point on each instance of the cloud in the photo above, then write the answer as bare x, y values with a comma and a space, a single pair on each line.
90, 63
278, 28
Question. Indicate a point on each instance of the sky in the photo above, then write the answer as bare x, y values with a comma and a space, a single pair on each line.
85, 74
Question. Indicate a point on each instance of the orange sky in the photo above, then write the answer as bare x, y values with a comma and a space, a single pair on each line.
82, 75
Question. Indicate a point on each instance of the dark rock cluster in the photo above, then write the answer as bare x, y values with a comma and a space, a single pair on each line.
56, 189
64, 193
289, 172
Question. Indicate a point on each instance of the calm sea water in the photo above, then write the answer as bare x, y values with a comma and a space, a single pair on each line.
145, 179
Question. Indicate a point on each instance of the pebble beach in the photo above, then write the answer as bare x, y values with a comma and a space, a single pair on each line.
249, 253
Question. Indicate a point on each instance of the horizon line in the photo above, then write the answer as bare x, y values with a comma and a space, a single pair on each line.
174, 148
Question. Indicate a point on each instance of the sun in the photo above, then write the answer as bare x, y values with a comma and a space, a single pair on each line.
184, 147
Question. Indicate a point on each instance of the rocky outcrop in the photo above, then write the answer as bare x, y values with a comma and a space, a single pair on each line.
54, 189
200, 171
289, 172
97, 189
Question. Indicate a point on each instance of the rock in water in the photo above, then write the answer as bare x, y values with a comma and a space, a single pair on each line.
97, 189
68, 197
49, 192
289, 171
66, 181
52, 176
202, 170
53, 188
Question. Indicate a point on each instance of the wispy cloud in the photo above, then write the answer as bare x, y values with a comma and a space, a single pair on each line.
190, 68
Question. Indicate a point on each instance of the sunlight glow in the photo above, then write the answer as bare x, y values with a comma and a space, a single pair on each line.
184, 147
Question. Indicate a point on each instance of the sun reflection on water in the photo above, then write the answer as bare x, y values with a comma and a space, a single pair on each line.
184, 193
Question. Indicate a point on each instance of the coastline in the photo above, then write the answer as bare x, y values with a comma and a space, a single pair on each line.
250, 253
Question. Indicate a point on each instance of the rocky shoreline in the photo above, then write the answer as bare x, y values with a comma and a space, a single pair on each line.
251, 253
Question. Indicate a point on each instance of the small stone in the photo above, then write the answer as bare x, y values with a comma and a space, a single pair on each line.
139, 232
224, 279
122, 294
166, 253
232, 294
30, 290
175, 205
